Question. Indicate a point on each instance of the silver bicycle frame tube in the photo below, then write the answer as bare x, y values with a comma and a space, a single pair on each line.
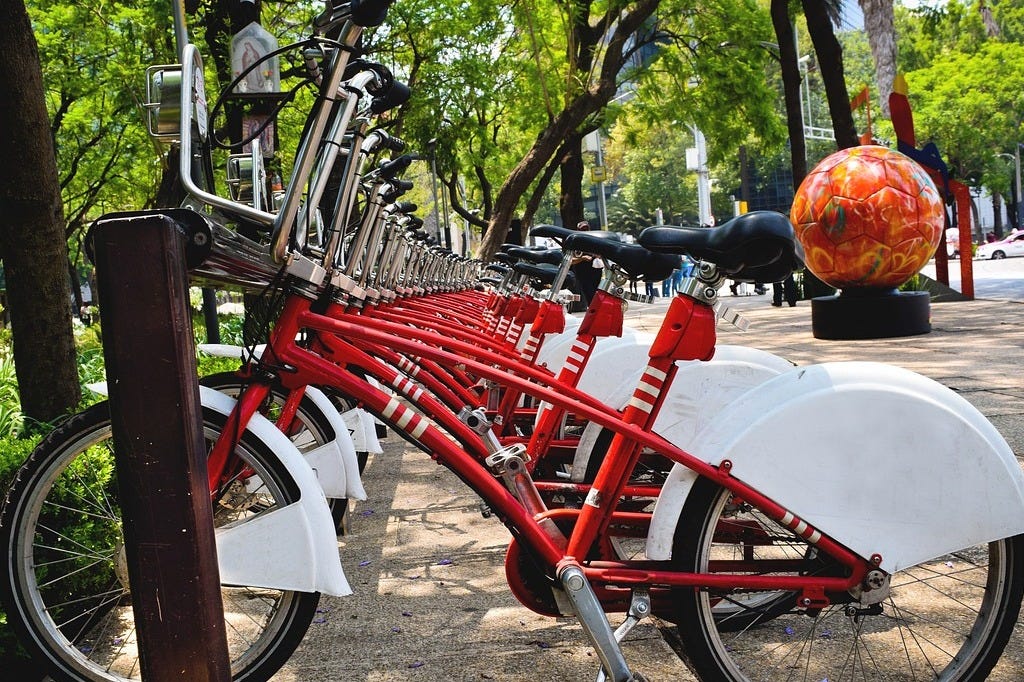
334, 255
332, 144
284, 222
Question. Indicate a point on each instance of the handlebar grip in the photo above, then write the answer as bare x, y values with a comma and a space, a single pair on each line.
389, 169
397, 95
405, 207
396, 144
369, 13
397, 189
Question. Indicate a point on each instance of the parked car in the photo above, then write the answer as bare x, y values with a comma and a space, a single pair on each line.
1012, 245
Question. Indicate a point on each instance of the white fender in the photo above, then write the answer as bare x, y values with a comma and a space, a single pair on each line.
373, 443
291, 548
338, 457
556, 347
355, 428
370, 422
363, 428
227, 350
335, 463
878, 458
612, 365
699, 391
616, 357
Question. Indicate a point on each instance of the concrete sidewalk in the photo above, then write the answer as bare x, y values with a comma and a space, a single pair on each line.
431, 601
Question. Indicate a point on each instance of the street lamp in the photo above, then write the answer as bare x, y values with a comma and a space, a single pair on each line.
432, 148
1016, 164
703, 179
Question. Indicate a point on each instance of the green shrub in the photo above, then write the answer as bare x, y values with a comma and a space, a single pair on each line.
10, 405
231, 329
211, 364
13, 452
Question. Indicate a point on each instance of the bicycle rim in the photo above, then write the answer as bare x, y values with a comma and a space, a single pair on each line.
68, 594
945, 619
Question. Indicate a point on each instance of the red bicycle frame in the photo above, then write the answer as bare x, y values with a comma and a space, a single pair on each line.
688, 333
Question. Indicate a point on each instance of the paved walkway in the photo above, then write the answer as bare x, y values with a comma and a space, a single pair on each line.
431, 601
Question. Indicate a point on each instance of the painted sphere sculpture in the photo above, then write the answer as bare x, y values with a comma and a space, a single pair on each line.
867, 217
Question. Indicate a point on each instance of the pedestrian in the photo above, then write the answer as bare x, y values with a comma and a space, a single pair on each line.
587, 270
784, 289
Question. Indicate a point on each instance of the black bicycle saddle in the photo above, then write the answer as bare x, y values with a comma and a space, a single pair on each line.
560, 233
543, 273
760, 246
633, 259
531, 255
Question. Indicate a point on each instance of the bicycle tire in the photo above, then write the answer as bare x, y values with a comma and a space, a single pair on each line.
310, 429
947, 619
69, 478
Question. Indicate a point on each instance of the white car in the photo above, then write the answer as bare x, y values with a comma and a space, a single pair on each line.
1012, 245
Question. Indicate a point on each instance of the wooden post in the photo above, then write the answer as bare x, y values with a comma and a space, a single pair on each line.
159, 448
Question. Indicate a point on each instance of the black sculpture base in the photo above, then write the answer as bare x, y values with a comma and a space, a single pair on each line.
871, 314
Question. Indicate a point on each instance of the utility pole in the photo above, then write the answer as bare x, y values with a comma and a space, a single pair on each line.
703, 179
1017, 200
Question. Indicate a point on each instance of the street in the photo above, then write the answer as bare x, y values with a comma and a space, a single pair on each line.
993, 279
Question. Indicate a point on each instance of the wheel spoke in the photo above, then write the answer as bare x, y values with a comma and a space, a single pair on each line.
64, 536
933, 623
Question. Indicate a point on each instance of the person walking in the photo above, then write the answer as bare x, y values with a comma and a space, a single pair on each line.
784, 289
587, 270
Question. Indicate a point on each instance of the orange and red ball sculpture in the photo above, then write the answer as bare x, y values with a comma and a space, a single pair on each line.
869, 218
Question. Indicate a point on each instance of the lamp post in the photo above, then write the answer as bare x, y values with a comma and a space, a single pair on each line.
703, 180
432, 147
1017, 199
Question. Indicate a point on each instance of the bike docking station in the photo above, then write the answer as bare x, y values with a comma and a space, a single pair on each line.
141, 264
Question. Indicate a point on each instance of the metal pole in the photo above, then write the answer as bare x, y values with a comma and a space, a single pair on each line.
602, 206
1020, 197
210, 315
447, 222
432, 146
180, 28
703, 181
159, 449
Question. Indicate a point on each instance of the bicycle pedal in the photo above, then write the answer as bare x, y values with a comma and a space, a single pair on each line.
733, 317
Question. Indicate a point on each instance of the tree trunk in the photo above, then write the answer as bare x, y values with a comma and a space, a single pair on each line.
997, 214
578, 107
570, 203
32, 243
791, 88
539, 189
879, 24
830, 61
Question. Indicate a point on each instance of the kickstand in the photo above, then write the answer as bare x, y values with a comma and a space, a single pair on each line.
639, 608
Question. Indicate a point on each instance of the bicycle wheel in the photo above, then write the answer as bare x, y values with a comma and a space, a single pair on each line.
66, 589
309, 429
946, 619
